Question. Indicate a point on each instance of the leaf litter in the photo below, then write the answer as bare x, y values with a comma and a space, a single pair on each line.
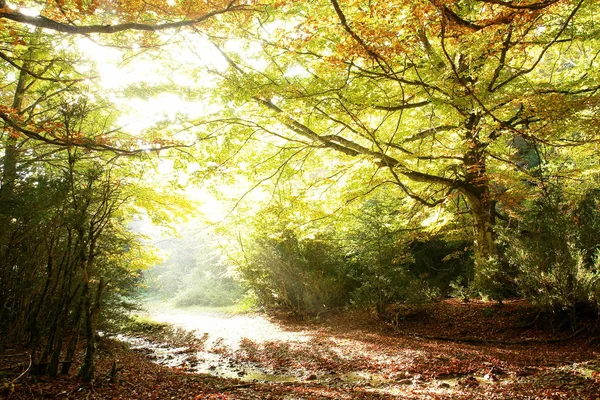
447, 350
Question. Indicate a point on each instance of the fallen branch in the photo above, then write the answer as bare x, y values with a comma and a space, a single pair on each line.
22, 373
232, 387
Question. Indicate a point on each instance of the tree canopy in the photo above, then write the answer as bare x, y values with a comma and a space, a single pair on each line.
345, 151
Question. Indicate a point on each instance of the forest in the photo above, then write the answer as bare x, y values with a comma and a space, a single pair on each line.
420, 178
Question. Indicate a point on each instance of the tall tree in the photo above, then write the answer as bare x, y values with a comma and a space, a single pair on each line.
453, 102
67, 194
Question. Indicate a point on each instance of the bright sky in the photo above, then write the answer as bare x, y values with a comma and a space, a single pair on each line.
142, 113
115, 75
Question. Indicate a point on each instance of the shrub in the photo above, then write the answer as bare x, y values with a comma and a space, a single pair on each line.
210, 291
555, 253
305, 276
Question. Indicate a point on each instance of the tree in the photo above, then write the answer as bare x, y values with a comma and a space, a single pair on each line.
58, 22
195, 271
444, 98
67, 195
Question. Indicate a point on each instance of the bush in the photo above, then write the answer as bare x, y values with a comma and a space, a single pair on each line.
304, 276
313, 275
440, 263
212, 292
556, 254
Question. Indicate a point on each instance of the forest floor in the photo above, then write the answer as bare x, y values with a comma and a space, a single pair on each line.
447, 350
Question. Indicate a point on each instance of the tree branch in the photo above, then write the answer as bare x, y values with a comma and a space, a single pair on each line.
544, 50
404, 106
43, 22
452, 16
532, 6
428, 132
83, 143
37, 76
359, 40
502, 63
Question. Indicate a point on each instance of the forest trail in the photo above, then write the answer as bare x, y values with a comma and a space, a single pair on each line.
357, 353
348, 355
221, 328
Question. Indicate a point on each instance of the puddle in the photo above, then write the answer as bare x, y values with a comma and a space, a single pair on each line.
160, 353
465, 381
219, 365
362, 378
202, 362
222, 336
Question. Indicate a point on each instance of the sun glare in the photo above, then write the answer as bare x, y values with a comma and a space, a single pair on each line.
123, 80
29, 11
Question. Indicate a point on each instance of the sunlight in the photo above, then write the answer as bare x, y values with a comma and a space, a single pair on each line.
143, 110
436, 219
32, 11
359, 199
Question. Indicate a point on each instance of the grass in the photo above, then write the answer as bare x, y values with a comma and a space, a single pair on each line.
142, 324
245, 306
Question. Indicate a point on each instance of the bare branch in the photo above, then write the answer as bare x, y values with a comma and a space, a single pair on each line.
532, 6
404, 106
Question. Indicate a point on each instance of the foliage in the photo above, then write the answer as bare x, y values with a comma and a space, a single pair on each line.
68, 263
68, 254
211, 291
454, 105
367, 153
143, 326
301, 275
556, 248
366, 258
194, 273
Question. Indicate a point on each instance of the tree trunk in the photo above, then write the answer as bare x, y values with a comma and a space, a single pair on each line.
91, 314
484, 243
483, 209
9, 171
72, 346
7, 197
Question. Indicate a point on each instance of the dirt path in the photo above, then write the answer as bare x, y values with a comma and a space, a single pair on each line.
351, 355
225, 329
358, 352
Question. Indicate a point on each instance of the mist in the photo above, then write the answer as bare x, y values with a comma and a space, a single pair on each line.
194, 270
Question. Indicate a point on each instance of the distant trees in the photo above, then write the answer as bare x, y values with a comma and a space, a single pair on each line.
195, 272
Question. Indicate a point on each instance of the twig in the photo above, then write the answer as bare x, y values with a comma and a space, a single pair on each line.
24, 372
13, 355
242, 385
